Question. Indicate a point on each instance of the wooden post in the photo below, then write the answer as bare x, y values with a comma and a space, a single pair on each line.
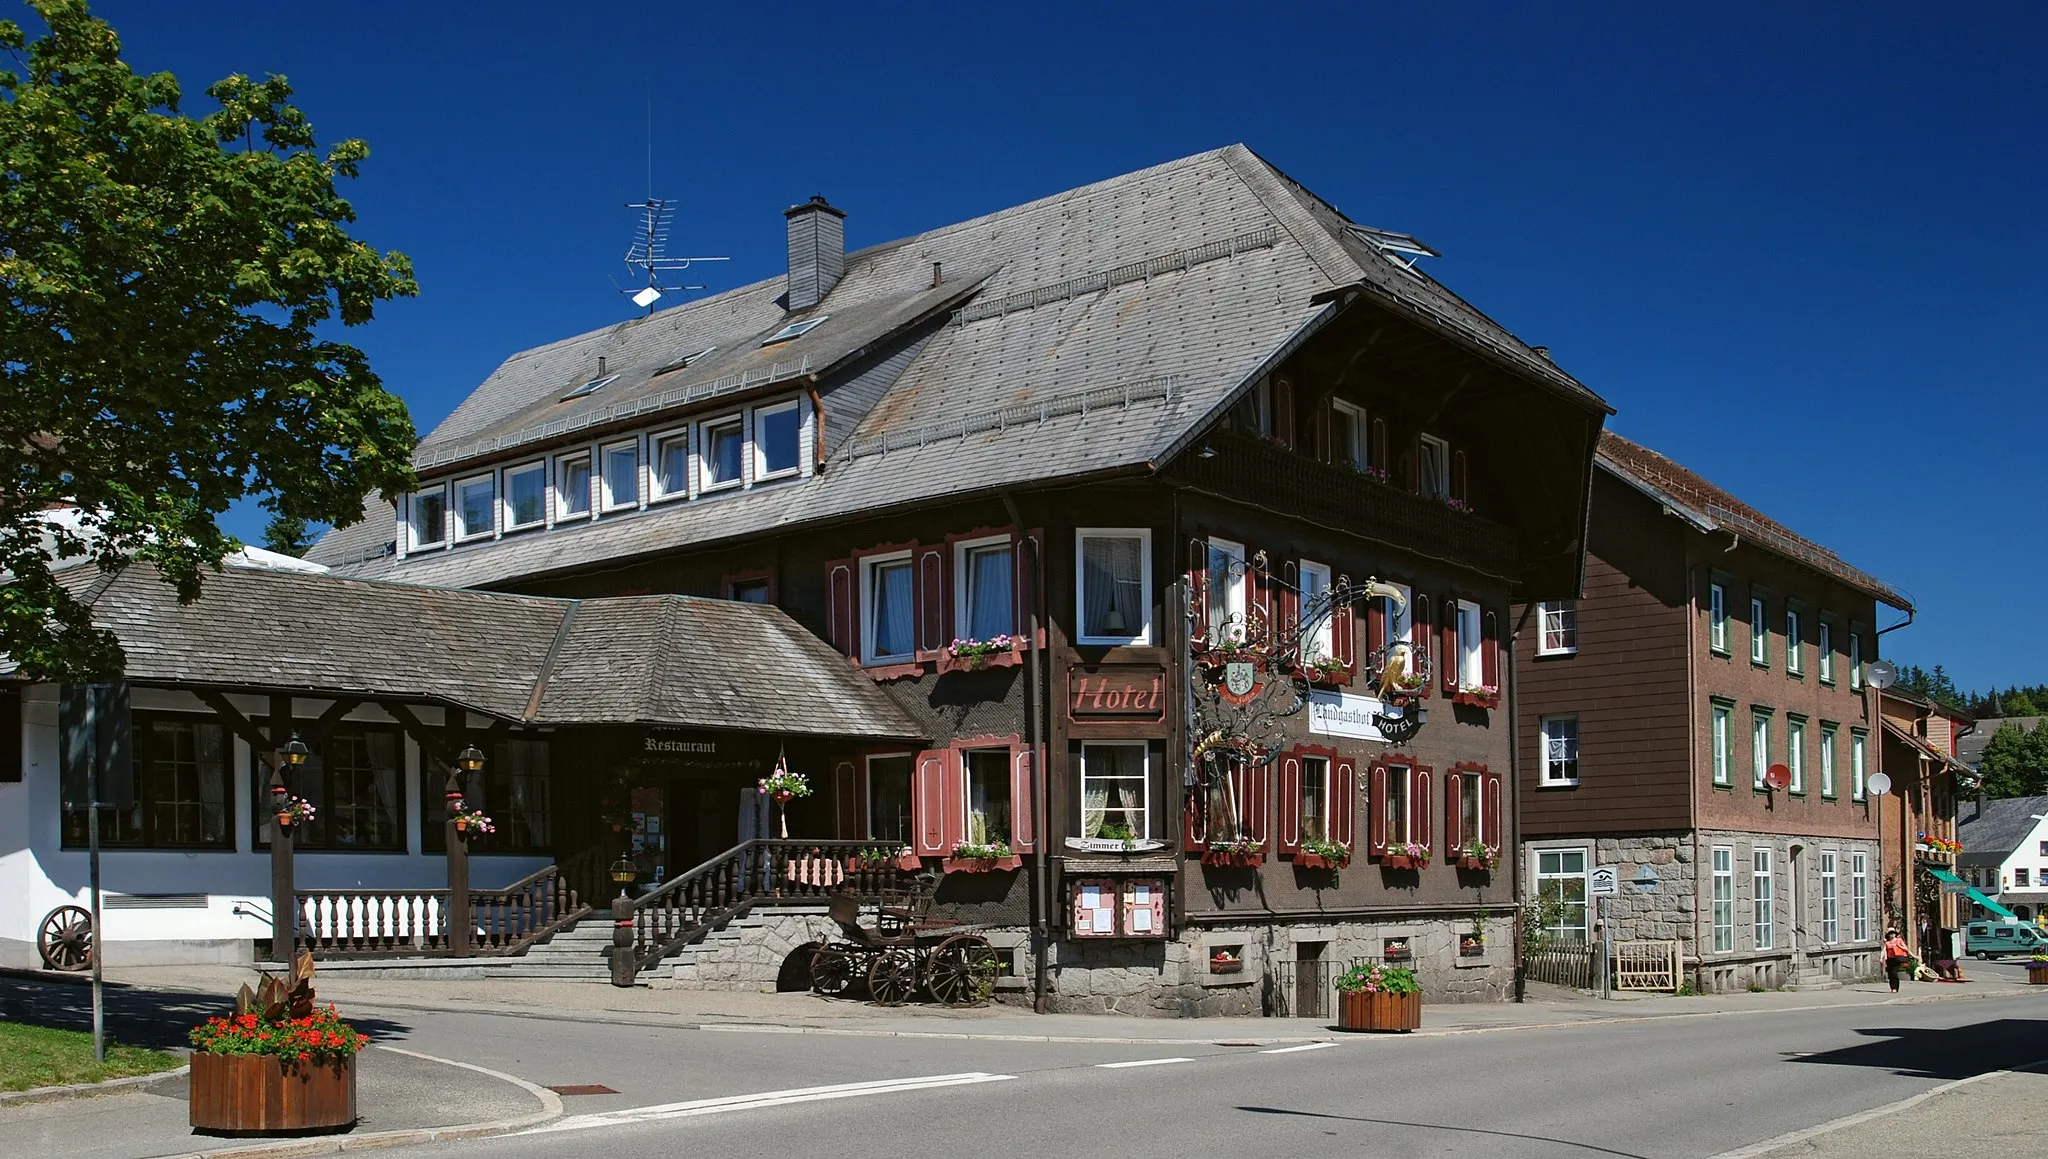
624, 968
284, 900
460, 921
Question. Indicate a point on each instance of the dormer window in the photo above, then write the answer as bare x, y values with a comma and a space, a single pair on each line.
723, 445
427, 524
622, 475
572, 487
778, 441
1433, 479
796, 330
476, 507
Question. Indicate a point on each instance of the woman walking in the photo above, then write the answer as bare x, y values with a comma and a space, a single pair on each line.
1895, 957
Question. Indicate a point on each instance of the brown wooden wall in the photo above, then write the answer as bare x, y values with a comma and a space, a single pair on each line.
1627, 682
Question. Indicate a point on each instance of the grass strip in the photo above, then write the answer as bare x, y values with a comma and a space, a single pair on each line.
37, 1056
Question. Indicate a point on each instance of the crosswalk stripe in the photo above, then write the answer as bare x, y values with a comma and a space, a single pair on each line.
763, 1099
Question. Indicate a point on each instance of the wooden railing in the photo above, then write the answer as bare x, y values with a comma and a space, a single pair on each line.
678, 911
370, 923
587, 877
507, 921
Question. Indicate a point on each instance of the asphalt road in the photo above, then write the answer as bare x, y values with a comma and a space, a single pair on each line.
1676, 1088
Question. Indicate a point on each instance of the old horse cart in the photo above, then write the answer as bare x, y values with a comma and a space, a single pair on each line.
906, 951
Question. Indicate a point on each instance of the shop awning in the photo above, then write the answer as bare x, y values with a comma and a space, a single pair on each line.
1975, 894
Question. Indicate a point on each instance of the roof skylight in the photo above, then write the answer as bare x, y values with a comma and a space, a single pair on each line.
685, 360
591, 387
795, 330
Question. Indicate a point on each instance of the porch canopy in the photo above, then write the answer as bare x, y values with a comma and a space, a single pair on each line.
1975, 894
666, 660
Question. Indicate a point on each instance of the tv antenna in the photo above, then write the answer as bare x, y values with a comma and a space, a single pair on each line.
649, 254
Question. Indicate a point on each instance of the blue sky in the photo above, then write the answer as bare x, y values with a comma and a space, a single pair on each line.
1799, 253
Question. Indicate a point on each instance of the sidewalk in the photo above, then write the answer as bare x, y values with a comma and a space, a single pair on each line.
1999, 1114
802, 1012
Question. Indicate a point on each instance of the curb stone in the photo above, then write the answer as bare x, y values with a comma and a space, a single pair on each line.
87, 1090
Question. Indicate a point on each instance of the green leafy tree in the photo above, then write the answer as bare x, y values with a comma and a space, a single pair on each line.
288, 536
2015, 762
170, 286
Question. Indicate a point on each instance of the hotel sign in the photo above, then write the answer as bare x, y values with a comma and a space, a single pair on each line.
1344, 714
1134, 692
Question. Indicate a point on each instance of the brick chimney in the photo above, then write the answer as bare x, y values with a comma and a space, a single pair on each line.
817, 251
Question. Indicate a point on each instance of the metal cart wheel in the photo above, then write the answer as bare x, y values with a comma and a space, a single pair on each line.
893, 978
956, 967
66, 939
833, 970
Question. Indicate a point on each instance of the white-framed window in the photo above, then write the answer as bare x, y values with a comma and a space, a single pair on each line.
669, 465
526, 495
888, 608
1254, 411
1558, 620
1399, 617
778, 441
1795, 652
1827, 759
1397, 810
1314, 804
476, 507
1824, 652
1856, 660
1830, 910
1759, 745
622, 475
572, 487
1759, 632
1227, 584
1856, 767
984, 600
889, 778
1471, 646
1348, 438
1433, 473
1561, 893
1724, 899
1116, 791
2021, 875
722, 453
1717, 617
427, 517
1859, 897
1795, 753
1722, 728
1560, 737
1761, 897
1315, 590
1113, 584
988, 796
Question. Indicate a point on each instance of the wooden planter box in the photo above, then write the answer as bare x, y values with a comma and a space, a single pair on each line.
908, 863
253, 1094
1318, 861
2037, 975
1401, 861
1475, 864
1226, 965
1379, 1012
1470, 948
982, 864
1237, 860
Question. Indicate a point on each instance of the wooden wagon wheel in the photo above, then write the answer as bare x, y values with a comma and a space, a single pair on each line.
833, 970
893, 978
956, 967
66, 939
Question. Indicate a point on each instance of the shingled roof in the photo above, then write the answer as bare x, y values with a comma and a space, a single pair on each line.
654, 660
1710, 508
1090, 332
1988, 837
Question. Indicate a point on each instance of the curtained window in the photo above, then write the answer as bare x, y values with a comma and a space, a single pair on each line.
988, 796
987, 605
891, 615
1115, 575
353, 780
1114, 791
181, 790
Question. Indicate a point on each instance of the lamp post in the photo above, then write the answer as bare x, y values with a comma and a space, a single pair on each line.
623, 966
468, 762
284, 901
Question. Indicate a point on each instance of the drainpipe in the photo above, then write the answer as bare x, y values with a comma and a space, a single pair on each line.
1034, 712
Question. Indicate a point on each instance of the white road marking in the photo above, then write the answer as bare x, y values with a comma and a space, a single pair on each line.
1833, 1125
1303, 1046
1140, 1062
763, 1099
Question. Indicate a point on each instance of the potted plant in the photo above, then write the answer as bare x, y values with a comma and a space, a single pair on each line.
972, 655
1243, 852
1225, 962
295, 811
1478, 695
473, 821
982, 857
2037, 970
1405, 855
1373, 996
1396, 950
783, 786
1317, 853
1458, 505
1478, 855
277, 1064
1120, 831
1471, 945
877, 858
1324, 670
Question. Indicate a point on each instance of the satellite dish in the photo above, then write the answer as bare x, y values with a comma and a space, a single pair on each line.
1882, 674
1879, 784
1778, 777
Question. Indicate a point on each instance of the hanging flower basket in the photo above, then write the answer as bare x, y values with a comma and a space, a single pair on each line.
474, 819
294, 811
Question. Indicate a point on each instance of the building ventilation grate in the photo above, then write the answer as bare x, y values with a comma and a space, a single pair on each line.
1137, 271
153, 901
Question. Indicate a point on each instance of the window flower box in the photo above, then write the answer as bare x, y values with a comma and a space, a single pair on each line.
1471, 946
1319, 854
1478, 696
1327, 670
1409, 856
968, 857
975, 655
1224, 962
1479, 858
1242, 854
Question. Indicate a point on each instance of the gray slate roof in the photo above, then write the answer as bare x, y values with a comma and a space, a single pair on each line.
657, 660
1989, 838
1970, 747
1106, 325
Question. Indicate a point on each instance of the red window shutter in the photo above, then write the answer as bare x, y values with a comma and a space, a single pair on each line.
1258, 600
1257, 793
1447, 651
1290, 804
1489, 649
1419, 812
1194, 819
934, 786
1454, 812
1023, 830
1198, 585
1376, 812
1342, 806
1421, 634
1025, 555
934, 597
846, 790
1287, 603
1378, 448
842, 622
1490, 807
1283, 411
1375, 627
1459, 482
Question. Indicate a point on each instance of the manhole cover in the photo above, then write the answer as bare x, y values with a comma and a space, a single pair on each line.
582, 1089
